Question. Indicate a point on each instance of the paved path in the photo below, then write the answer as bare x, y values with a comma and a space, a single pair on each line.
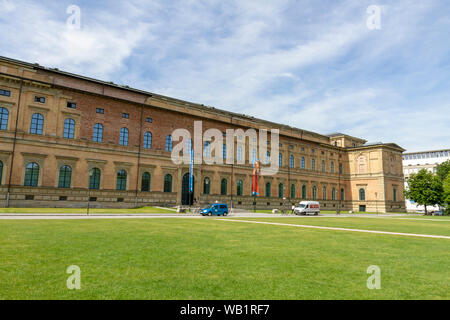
62, 216
339, 229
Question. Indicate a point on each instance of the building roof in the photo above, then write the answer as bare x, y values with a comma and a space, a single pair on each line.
427, 151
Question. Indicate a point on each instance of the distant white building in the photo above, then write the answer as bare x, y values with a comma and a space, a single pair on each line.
413, 162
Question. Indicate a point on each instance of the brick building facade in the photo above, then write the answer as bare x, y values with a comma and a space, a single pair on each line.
60, 133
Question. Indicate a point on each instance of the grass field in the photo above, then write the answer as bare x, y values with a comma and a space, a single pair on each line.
211, 259
83, 210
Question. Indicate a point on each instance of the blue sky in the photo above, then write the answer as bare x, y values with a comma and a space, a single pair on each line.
310, 64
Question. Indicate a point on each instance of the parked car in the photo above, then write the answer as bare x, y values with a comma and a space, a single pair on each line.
438, 213
307, 207
216, 209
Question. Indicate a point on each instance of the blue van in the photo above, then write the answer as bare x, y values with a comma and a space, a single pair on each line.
216, 209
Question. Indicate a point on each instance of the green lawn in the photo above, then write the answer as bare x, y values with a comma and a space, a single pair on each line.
211, 259
83, 210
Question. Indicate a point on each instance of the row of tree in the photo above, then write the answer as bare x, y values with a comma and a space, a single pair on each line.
428, 189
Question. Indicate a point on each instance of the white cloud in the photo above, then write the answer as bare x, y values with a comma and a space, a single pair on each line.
36, 33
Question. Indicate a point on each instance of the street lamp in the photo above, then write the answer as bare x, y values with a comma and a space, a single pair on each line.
91, 172
376, 201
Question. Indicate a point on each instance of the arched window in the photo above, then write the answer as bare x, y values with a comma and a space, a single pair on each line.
145, 182
268, 191
324, 193
65, 176
239, 153
303, 192
333, 194
69, 129
206, 186
4, 118
121, 180
169, 144
303, 163
224, 151
280, 190
1, 172
332, 167
362, 194
291, 161
37, 124
207, 149
240, 187
223, 187
167, 183
189, 146
293, 191
280, 159
147, 140
313, 164
94, 179
123, 141
254, 158
31, 175
342, 194
98, 133
314, 192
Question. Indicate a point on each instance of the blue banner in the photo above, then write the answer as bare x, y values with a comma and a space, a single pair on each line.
191, 172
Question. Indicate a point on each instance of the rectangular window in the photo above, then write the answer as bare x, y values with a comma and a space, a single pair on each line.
100, 110
39, 99
6, 93
71, 105
149, 120
126, 115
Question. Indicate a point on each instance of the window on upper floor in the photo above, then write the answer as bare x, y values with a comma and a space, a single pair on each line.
37, 124
5, 93
126, 115
169, 143
69, 129
98, 133
147, 140
149, 120
100, 110
123, 140
4, 114
39, 99
71, 105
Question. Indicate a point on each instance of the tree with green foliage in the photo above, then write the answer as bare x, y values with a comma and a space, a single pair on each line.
425, 189
446, 197
443, 170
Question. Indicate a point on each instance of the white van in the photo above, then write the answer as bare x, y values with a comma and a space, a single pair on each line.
307, 207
